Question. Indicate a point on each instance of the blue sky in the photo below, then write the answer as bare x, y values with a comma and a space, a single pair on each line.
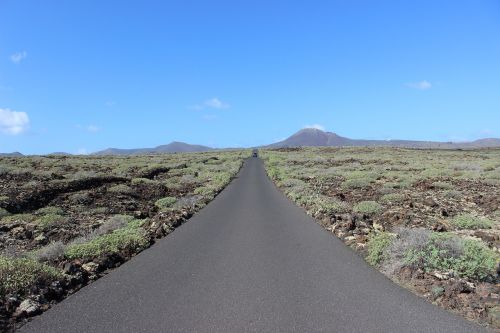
80, 76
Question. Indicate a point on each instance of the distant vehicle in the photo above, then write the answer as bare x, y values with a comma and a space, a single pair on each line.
254, 154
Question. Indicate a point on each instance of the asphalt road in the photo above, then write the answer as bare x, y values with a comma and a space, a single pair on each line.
251, 261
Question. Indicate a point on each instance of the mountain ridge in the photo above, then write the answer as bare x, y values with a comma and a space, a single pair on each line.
305, 137
172, 147
318, 138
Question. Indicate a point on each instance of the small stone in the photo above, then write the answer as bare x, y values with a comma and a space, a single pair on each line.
17, 231
441, 276
41, 239
430, 202
91, 267
360, 246
27, 307
11, 303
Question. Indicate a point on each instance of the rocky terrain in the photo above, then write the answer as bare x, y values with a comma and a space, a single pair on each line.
428, 219
66, 220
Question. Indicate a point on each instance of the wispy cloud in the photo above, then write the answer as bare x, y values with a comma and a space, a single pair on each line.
212, 103
110, 103
89, 128
421, 85
13, 122
18, 57
316, 126
93, 128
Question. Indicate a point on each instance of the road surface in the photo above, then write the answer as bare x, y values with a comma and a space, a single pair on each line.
250, 261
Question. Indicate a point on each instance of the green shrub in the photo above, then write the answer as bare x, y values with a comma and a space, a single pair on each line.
22, 218
49, 220
477, 261
165, 203
438, 252
467, 221
453, 194
377, 244
17, 275
50, 210
3, 213
392, 197
356, 183
121, 189
327, 205
466, 257
205, 191
131, 238
437, 291
139, 181
367, 207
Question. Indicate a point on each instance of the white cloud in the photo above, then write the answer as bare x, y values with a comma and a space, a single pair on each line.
212, 103
89, 128
93, 128
216, 103
110, 103
13, 122
18, 57
315, 126
82, 151
421, 85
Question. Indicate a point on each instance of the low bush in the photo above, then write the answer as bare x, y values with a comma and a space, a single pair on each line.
18, 275
329, 206
205, 191
50, 220
377, 245
50, 210
453, 194
188, 202
113, 223
21, 218
3, 213
121, 189
431, 251
356, 183
367, 207
165, 203
477, 261
392, 198
131, 238
140, 181
50, 252
467, 221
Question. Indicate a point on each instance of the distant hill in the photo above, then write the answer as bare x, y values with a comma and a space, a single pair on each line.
173, 147
59, 153
315, 137
14, 154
